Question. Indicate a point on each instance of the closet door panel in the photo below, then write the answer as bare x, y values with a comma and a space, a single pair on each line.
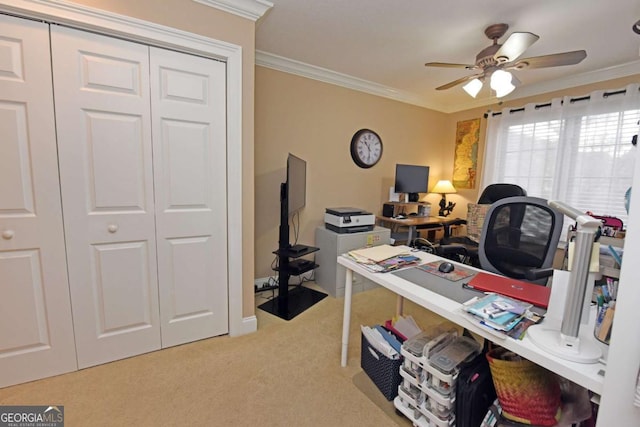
104, 139
121, 273
36, 332
189, 146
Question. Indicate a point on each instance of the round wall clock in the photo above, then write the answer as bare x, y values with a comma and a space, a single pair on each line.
366, 148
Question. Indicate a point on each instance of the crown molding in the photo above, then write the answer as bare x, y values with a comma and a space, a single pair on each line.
302, 69
291, 66
250, 9
609, 73
109, 23
603, 74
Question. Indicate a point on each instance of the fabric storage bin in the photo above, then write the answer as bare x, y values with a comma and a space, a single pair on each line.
384, 372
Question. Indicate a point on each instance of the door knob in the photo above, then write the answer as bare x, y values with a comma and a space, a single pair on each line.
8, 234
112, 228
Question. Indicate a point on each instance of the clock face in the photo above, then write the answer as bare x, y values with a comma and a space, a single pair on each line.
366, 148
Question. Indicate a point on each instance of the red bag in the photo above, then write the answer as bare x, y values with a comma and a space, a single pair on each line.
609, 223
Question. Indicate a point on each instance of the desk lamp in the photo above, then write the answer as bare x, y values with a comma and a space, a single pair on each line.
565, 342
444, 187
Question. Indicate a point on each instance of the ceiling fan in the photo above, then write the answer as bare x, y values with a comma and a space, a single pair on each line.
496, 60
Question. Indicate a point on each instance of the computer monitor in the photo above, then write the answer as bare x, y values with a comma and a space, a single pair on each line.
412, 179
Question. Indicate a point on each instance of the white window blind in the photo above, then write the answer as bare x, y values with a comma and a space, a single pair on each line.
575, 150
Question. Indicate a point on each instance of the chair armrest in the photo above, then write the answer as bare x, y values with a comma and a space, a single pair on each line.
447, 223
453, 221
451, 251
538, 273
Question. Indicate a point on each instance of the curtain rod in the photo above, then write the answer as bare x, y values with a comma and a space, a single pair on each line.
548, 104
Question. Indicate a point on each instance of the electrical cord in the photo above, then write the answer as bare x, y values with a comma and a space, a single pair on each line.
424, 245
295, 222
302, 278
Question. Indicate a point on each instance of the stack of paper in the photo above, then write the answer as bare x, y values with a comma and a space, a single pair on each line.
383, 258
377, 253
406, 327
380, 342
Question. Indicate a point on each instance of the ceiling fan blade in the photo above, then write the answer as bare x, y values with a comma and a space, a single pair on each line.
553, 60
449, 65
460, 80
515, 46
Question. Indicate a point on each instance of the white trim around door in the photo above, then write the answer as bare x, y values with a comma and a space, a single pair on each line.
82, 17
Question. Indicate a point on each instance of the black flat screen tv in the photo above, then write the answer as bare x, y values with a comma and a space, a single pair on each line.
296, 183
412, 180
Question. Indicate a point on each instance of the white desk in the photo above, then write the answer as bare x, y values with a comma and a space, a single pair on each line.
586, 375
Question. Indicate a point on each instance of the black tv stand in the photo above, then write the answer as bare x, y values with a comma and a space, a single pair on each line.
297, 248
288, 305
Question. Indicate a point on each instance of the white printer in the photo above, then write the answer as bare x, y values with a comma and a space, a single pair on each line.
348, 220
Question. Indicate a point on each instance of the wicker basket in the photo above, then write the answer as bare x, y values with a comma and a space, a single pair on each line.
527, 393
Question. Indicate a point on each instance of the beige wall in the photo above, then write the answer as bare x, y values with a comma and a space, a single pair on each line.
209, 22
316, 121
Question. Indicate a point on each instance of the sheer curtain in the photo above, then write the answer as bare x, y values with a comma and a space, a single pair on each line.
576, 149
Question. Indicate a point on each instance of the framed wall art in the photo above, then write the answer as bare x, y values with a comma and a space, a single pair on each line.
465, 161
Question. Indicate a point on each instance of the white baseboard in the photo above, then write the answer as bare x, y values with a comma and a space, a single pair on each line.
249, 325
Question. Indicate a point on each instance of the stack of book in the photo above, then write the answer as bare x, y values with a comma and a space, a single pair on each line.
502, 313
383, 258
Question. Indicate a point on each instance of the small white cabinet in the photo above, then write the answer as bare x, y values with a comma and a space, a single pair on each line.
329, 275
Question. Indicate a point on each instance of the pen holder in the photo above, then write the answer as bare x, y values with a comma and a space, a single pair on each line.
605, 294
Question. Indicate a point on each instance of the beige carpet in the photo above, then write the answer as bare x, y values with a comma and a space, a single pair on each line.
286, 374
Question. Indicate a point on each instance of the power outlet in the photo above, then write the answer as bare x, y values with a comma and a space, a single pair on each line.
263, 284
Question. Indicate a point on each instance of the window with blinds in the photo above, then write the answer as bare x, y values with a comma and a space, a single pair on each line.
582, 156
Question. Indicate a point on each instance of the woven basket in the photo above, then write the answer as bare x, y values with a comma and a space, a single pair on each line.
527, 393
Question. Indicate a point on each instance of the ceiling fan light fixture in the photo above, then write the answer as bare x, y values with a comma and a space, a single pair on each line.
501, 83
493, 61
473, 87
505, 90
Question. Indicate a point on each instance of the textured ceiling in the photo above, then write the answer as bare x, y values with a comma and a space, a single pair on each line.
385, 43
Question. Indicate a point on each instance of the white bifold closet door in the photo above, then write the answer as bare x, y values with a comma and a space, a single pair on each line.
189, 148
142, 165
103, 118
36, 333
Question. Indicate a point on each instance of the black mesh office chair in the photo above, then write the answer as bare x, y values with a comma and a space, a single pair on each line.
465, 248
519, 238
